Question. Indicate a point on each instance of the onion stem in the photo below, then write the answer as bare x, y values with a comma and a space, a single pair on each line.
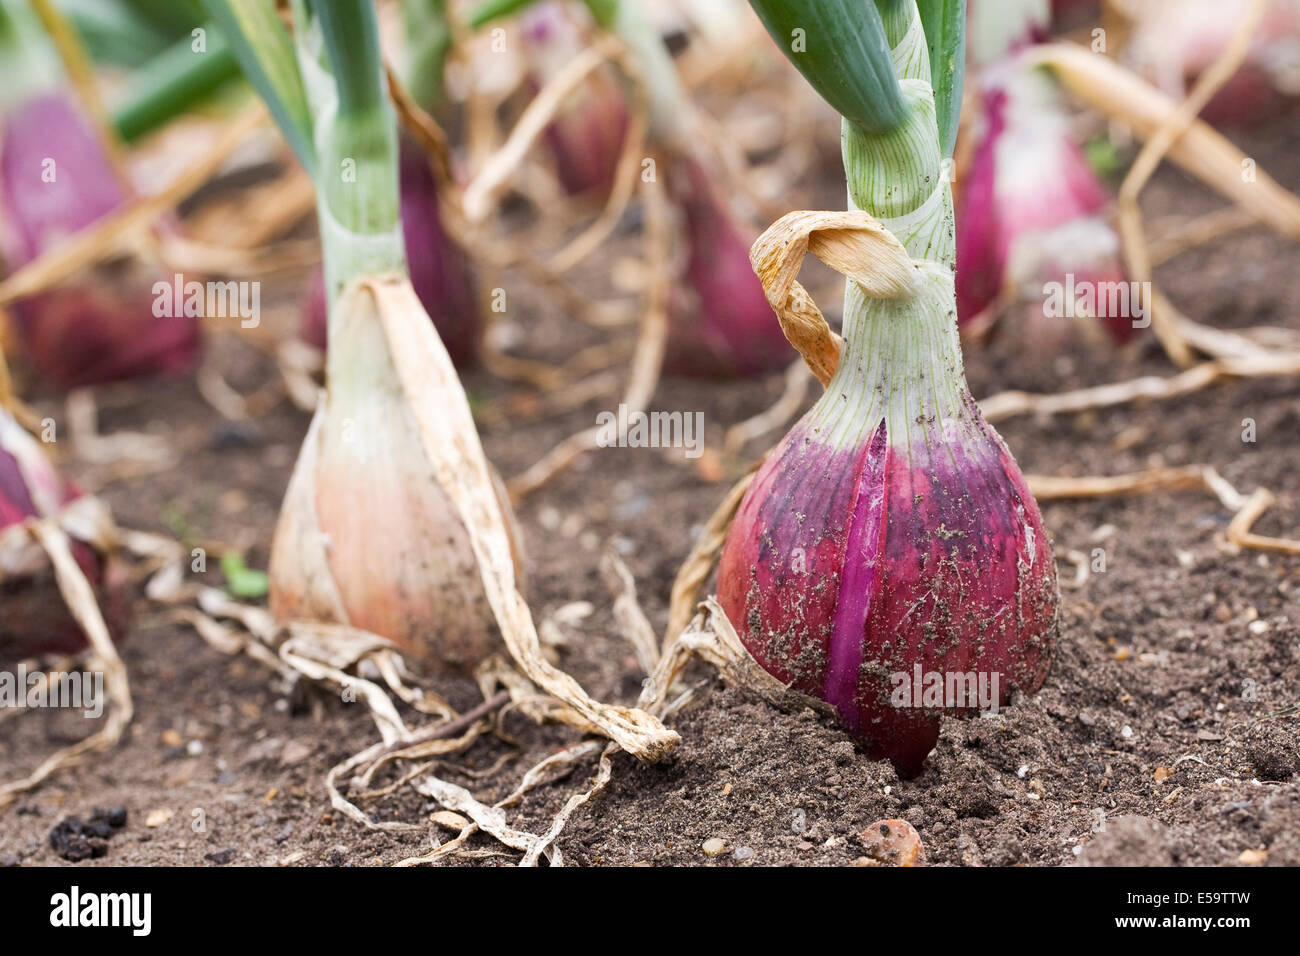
356, 142
352, 44
899, 177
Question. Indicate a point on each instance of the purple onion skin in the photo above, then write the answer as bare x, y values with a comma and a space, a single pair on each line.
586, 138
1248, 98
35, 619
315, 325
981, 252
84, 190
721, 325
92, 335
844, 567
87, 332
1075, 9
440, 271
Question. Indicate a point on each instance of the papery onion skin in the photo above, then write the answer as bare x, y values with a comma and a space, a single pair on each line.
440, 271
721, 325
367, 537
56, 180
34, 619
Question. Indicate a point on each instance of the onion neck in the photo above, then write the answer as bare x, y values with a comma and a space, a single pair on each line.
358, 185
901, 360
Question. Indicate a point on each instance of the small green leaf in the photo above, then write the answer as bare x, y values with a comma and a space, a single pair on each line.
1103, 155
944, 22
840, 48
241, 580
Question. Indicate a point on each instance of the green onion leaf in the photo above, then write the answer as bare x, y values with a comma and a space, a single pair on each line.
428, 41
840, 48
173, 16
172, 83
113, 32
490, 10
265, 53
351, 34
945, 36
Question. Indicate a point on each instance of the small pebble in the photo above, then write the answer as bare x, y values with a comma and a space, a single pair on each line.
894, 842
157, 818
743, 853
713, 846
450, 820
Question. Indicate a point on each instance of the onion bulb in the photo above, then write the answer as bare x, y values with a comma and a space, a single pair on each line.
1173, 43
586, 135
35, 619
55, 180
367, 537
891, 537
1032, 211
720, 321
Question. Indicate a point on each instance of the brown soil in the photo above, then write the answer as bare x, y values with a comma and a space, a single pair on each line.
1146, 714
